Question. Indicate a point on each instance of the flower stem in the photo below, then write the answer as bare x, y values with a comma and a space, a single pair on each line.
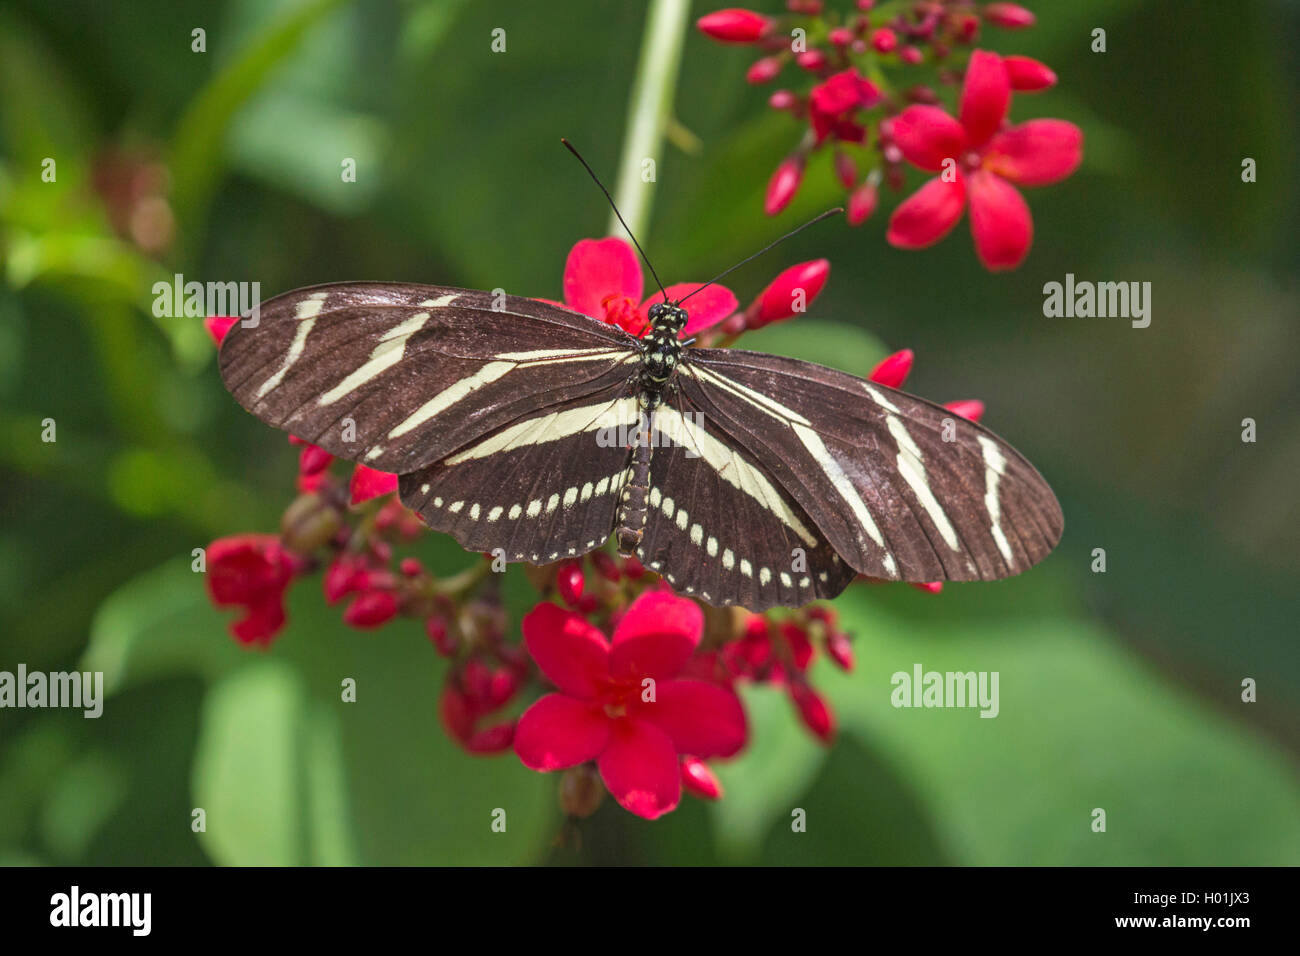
649, 111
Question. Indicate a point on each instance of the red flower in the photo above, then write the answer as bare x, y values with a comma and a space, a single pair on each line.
602, 278
783, 185
832, 103
602, 711
893, 370
251, 571
989, 159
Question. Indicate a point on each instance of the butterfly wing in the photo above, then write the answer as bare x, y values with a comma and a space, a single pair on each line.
542, 488
903, 489
720, 527
384, 372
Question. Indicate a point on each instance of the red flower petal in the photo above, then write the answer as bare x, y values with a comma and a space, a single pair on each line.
701, 717
971, 408
656, 636
985, 97
1037, 152
999, 221
639, 767
1027, 75
569, 650
597, 268
559, 732
705, 310
219, 325
927, 136
368, 483
262, 622
928, 214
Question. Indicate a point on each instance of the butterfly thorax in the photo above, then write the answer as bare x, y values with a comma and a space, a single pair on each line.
660, 352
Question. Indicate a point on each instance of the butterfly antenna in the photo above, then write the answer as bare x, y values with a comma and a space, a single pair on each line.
591, 172
813, 221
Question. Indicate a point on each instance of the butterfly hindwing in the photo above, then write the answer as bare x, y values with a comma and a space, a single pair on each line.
719, 526
398, 376
543, 488
903, 488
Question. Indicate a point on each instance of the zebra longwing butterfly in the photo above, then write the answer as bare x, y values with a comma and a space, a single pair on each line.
766, 480
750, 479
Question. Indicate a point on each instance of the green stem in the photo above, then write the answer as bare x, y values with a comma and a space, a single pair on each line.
649, 111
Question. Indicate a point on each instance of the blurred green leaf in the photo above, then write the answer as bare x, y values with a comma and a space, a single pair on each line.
86, 794
1081, 725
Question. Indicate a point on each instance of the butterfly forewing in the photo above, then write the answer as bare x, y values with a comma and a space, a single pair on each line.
720, 526
542, 488
903, 489
398, 376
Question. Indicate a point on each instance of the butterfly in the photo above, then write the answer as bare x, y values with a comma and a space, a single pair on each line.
533, 432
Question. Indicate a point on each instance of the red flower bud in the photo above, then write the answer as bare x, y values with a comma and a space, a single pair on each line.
911, 55
969, 408
313, 459
218, 326
569, 581
440, 635
929, 587
606, 566
371, 609
698, 779
764, 70
1028, 75
783, 185
862, 203
789, 293
884, 40
892, 372
845, 169
812, 60
345, 575
814, 712
840, 650
493, 740
783, 100
1011, 16
734, 25
841, 36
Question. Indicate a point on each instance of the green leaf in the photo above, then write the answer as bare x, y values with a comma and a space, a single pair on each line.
1082, 725
763, 784
246, 763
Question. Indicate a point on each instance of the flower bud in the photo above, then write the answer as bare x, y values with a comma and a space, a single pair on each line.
581, 791
911, 55
929, 587
1011, 16
884, 40
892, 371
840, 650
783, 100
790, 293
218, 326
440, 635
698, 779
840, 36
308, 523
763, 71
862, 203
313, 459
569, 581
606, 566
969, 408
814, 712
811, 60
734, 25
371, 609
1027, 75
845, 169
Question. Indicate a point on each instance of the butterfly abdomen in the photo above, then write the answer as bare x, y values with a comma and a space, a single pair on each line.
632, 512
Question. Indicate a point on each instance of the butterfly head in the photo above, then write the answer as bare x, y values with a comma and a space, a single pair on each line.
667, 317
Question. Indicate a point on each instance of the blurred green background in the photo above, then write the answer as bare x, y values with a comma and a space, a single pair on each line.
1119, 690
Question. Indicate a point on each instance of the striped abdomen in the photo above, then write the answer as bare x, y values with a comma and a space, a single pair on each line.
632, 507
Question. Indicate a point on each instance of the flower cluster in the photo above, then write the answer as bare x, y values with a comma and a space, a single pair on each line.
638, 714
874, 81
